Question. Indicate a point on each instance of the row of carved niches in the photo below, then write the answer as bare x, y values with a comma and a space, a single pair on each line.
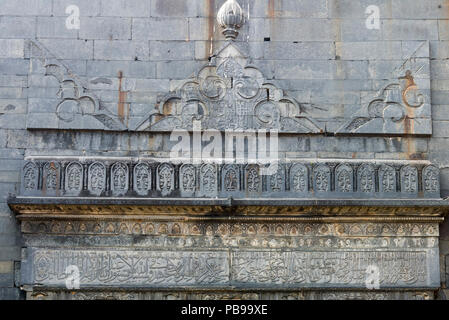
153, 179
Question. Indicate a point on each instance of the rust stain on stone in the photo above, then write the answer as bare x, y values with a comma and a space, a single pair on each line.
409, 123
271, 16
271, 11
121, 99
210, 8
167, 109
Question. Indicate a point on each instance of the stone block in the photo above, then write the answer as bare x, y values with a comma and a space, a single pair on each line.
70, 49
9, 176
410, 29
121, 50
350, 10
26, 8
303, 30
11, 294
172, 50
299, 9
18, 27
180, 8
125, 8
11, 154
129, 69
105, 28
88, 8
299, 50
13, 121
440, 129
11, 48
160, 29
177, 69
15, 67
304, 69
10, 106
353, 30
42, 121
55, 27
419, 10
373, 50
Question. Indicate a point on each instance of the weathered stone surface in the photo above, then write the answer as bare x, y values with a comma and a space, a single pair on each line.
400, 107
352, 180
371, 102
232, 295
200, 268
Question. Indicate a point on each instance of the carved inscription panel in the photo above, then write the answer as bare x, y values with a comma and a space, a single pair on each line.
240, 268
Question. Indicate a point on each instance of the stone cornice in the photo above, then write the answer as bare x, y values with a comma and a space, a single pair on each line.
129, 207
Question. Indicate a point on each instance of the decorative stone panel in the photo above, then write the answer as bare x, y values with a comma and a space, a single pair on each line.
294, 179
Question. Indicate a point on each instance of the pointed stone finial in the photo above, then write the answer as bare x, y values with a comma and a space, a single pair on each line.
231, 17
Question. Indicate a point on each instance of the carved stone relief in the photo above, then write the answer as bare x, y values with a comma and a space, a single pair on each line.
253, 179
188, 180
246, 268
97, 178
299, 178
142, 179
231, 93
210, 180
409, 179
119, 179
51, 177
165, 179
344, 179
231, 178
366, 178
232, 295
387, 179
276, 181
403, 105
74, 177
30, 177
321, 178
431, 180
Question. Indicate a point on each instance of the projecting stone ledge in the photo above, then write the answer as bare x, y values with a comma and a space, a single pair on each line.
41, 206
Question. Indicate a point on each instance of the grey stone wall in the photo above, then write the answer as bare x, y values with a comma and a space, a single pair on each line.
130, 52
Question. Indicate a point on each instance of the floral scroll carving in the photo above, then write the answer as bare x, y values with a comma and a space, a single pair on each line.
366, 178
74, 177
321, 178
409, 179
209, 180
142, 178
97, 178
387, 179
299, 178
230, 94
431, 180
165, 179
119, 179
344, 178
30, 177
51, 176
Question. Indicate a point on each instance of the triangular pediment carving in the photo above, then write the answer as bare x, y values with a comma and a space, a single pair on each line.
230, 94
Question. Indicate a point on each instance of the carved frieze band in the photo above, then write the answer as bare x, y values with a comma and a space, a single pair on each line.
291, 180
178, 235
240, 268
224, 229
230, 295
